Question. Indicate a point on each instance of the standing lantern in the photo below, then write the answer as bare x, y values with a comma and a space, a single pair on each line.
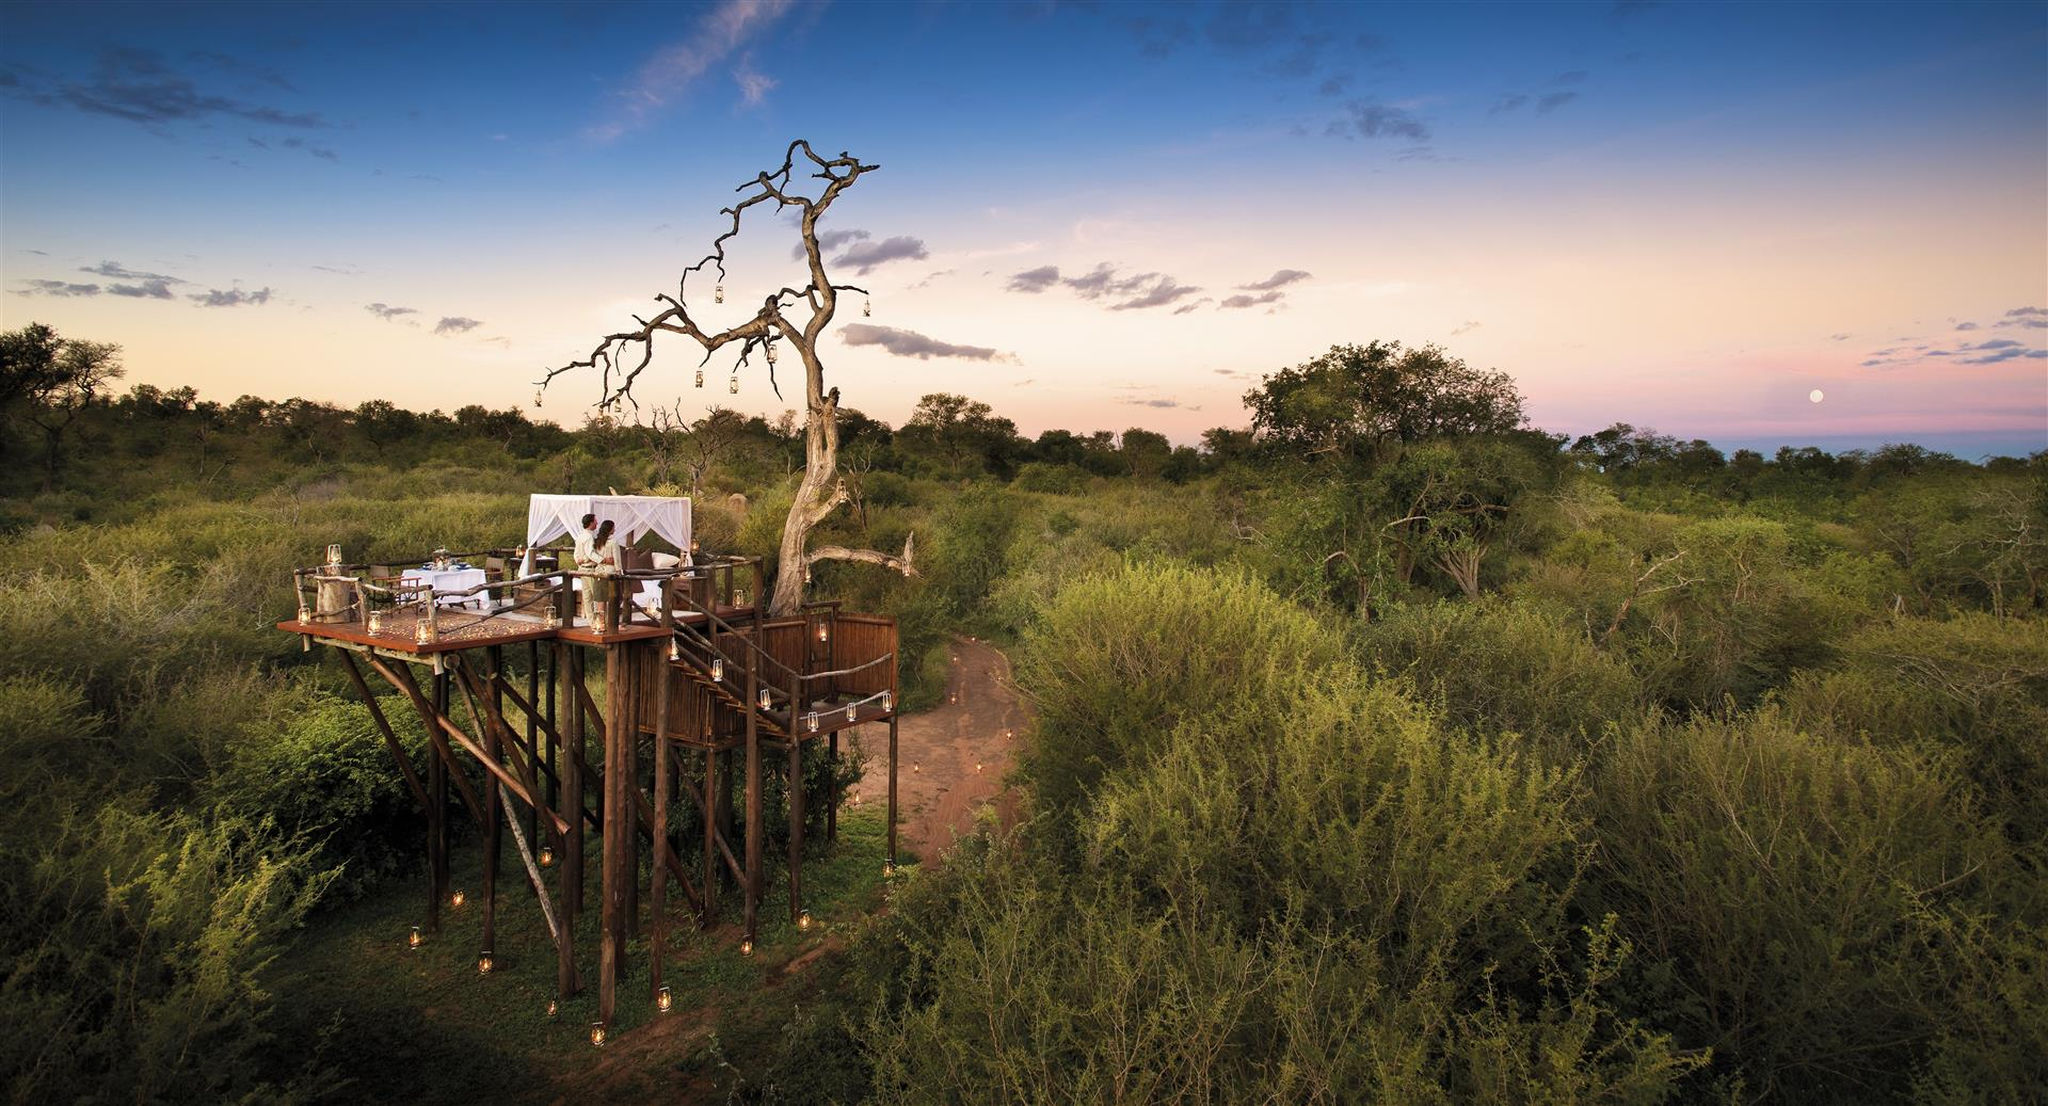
853, 712
811, 723
717, 669
597, 1034
414, 940
663, 999
547, 857
764, 700
484, 963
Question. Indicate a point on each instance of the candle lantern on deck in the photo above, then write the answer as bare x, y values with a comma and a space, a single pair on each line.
764, 700
811, 723
305, 613
853, 712
376, 622
718, 669
675, 651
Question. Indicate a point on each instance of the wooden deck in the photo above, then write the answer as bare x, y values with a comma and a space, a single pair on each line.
459, 628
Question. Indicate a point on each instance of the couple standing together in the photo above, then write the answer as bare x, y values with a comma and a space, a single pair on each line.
597, 552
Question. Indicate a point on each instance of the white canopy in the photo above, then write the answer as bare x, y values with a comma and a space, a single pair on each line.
552, 516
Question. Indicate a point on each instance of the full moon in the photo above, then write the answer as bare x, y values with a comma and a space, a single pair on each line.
1815, 395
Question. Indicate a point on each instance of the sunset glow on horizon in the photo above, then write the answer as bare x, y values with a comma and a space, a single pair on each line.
1702, 219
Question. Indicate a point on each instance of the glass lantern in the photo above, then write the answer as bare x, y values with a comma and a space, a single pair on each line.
717, 669
764, 700
718, 293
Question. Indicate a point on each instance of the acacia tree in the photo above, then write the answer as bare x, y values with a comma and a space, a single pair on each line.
54, 379
822, 489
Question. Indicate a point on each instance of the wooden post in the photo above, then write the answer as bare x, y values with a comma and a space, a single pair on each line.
752, 890
437, 815
533, 732
892, 782
569, 769
493, 812
832, 794
796, 823
618, 830
628, 714
570, 664
663, 673
710, 812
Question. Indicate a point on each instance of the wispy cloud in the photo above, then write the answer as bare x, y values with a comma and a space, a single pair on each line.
1466, 327
754, 85
58, 288
865, 257
140, 86
1280, 279
1104, 282
1372, 119
723, 32
456, 324
387, 312
236, 297
118, 271
909, 343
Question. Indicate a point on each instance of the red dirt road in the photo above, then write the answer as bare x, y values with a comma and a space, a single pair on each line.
952, 759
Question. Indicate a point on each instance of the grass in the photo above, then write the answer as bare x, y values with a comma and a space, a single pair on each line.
422, 1025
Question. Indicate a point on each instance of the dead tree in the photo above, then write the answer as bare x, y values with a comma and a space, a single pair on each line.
822, 489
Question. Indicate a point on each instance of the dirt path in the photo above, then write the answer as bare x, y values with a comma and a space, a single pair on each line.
953, 758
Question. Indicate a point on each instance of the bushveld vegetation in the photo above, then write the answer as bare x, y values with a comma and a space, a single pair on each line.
1390, 751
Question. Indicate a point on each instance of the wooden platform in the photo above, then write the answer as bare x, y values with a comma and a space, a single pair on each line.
468, 629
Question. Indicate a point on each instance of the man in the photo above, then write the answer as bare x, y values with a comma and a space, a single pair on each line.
586, 554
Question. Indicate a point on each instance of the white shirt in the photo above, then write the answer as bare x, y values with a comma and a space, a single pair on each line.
586, 550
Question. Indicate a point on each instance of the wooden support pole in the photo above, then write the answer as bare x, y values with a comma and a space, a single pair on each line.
437, 813
658, 896
571, 665
751, 886
618, 830
892, 785
533, 729
796, 824
569, 769
400, 677
628, 714
710, 813
494, 805
832, 793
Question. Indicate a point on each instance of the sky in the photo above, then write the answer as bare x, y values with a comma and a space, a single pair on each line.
1695, 218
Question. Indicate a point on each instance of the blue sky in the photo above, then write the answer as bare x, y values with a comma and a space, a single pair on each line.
1683, 216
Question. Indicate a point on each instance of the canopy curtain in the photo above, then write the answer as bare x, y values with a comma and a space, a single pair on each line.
553, 516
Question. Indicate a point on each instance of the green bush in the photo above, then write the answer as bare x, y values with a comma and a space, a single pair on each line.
1779, 885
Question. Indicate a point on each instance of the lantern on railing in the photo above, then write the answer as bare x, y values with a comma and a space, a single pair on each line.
853, 712
764, 700
599, 619
675, 651
739, 597
484, 963
717, 669
811, 723
333, 556
887, 699
663, 999
553, 621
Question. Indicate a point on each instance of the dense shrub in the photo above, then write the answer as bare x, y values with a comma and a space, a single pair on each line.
1787, 892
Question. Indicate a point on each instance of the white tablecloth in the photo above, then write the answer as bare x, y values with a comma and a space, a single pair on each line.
452, 579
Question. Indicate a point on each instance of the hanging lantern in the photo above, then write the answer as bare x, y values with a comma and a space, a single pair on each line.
803, 919
770, 343
764, 699
483, 963
746, 946
718, 293
663, 999
547, 857
414, 940
867, 308
733, 386
456, 900
717, 669
597, 1034
853, 712
536, 397
700, 378
824, 631
553, 621
811, 723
